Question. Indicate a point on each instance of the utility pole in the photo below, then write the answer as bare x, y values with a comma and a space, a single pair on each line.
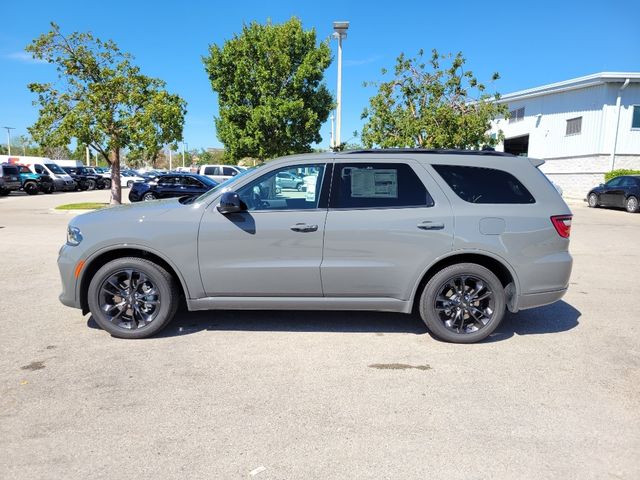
8, 129
339, 32
333, 131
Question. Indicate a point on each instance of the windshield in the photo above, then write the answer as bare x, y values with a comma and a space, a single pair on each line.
55, 168
227, 184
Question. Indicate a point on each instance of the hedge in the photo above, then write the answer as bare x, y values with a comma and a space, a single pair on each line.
621, 171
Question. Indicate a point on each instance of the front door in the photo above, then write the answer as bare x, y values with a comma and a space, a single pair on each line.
387, 220
274, 248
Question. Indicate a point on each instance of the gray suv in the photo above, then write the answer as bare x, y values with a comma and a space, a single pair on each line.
458, 236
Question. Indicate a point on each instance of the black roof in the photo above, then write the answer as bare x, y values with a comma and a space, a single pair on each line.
431, 151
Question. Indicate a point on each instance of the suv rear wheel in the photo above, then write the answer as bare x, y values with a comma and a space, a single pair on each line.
463, 303
31, 188
132, 297
632, 204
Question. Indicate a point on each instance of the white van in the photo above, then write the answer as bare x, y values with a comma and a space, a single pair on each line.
43, 165
219, 173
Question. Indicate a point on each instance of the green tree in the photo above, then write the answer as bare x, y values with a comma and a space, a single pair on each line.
272, 100
432, 104
101, 99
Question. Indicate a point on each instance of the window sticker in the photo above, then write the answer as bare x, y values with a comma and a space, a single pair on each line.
374, 183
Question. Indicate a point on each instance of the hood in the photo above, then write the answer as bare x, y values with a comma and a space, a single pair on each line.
129, 212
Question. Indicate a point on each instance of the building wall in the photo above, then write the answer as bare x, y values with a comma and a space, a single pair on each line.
578, 162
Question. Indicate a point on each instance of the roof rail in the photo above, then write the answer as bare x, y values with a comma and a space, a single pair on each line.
431, 151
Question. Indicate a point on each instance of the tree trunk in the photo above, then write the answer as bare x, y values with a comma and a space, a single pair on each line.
116, 188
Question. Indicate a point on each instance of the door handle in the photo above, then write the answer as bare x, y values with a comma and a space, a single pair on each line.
303, 227
428, 225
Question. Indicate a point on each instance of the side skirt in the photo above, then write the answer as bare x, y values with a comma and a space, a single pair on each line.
300, 303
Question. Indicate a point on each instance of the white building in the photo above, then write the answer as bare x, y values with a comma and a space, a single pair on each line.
582, 128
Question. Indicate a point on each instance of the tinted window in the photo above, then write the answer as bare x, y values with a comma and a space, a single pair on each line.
208, 170
191, 182
614, 182
484, 185
167, 180
377, 185
10, 170
24, 169
55, 168
229, 171
39, 168
628, 182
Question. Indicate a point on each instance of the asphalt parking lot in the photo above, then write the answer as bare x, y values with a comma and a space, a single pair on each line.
554, 393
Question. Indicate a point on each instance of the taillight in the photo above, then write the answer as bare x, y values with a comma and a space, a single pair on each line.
562, 224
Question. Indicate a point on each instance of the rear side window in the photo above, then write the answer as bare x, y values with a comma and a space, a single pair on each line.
484, 185
10, 169
229, 171
377, 185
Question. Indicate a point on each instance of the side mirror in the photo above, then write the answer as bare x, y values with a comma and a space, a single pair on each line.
230, 203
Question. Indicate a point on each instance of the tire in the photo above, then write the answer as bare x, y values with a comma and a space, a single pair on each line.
631, 204
107, 183
593, 200
48, 189
91, 184
102, 296
4, 193
149, 196
129, 183
443, 318
31, 188
300, 187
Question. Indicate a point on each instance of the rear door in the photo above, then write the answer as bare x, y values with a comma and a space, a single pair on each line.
387, 221
611, 191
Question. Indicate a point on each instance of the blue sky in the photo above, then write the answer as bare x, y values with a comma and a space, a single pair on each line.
529, 43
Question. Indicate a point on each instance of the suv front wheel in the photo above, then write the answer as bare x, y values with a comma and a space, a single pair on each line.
463, 303
132, 297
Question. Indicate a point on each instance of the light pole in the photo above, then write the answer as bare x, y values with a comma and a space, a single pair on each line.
183, 147
339, 32
8, 129
333, 127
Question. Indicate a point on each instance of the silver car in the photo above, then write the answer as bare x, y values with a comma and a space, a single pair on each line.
457, 236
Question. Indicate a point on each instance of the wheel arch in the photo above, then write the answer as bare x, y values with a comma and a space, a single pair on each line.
93, 264
495, 264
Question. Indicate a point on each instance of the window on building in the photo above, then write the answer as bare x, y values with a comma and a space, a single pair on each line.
484, 185
574, 126
516, 115
635, 121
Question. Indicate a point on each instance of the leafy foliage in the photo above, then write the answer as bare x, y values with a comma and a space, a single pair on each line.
618, 172
431, 104
101, 99
272, 100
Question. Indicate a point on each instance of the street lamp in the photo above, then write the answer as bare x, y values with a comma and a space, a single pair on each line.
8, 129
339, 32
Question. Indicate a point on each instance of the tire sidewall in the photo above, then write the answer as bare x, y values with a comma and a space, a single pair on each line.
157, 275
147, 197
595, 202
628, 208
431, 290
31, 188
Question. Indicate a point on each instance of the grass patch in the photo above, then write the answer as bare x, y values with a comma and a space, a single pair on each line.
82, 206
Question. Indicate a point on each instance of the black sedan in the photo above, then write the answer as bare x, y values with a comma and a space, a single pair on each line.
171, 185
622, 192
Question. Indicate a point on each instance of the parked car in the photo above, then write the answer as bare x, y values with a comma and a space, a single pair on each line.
33, 183
459, 236
171, 185
288, 180
621, 192
61, 179
219, 173
9, 178
82, 182
129, 177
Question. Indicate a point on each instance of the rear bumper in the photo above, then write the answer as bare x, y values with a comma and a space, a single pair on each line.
539, 299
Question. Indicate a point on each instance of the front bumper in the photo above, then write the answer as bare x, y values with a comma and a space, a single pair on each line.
67, 261
64, 185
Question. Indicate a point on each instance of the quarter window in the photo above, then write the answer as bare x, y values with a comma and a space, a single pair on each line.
266, 193
574, 126
377, 185
484, 185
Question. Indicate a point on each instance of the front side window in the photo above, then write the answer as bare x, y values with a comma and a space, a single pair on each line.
55, 168
377, 185
229, 172
265, 193
615, 182
484, 185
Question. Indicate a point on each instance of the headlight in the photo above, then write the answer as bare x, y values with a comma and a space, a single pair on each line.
74, 236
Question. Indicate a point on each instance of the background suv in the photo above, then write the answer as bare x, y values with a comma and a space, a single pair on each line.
457, 236
9, 178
